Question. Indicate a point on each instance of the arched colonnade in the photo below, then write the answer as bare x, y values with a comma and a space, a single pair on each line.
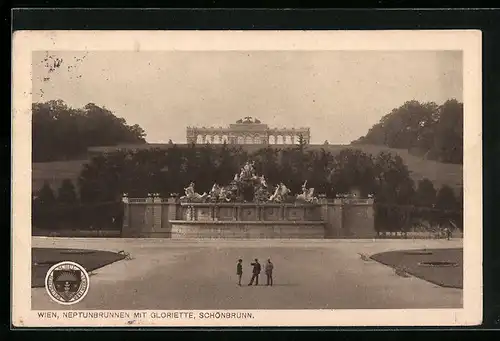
204, 138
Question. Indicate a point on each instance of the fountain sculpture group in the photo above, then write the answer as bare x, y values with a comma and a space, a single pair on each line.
248, 208
247, 186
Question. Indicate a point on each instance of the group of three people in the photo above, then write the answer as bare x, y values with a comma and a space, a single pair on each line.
256, 269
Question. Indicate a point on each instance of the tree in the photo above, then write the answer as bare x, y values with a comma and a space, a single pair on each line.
67, 193
106, 177
446, 199
401, 128
42, 206
352, 169
426, 193
64, 133
449, 207
393, 182
448, 137
46, 195
422, 128
425, 198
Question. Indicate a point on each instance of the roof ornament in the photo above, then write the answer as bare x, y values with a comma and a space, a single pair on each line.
249, 119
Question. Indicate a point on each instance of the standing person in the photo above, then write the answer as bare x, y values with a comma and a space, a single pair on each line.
255, 272
269, 272
239, 271
448, 233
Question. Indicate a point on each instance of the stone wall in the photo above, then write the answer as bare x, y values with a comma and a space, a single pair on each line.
168, 218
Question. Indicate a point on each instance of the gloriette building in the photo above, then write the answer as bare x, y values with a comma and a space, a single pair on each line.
247, 131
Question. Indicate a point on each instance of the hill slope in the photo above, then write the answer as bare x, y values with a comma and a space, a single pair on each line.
435, 131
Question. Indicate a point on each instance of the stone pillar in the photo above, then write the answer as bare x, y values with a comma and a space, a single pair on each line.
211, 213
148, 216
359, 218
157, 212
126, 216
331, 214
190, 214
171, 212
216, 213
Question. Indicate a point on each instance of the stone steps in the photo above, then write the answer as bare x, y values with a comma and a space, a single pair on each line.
247, 231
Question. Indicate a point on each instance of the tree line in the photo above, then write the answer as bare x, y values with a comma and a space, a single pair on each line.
64, 133
427, 129
106, 177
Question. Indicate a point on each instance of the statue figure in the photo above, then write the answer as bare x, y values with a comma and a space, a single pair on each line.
228, 193
307, 194
223, 194
280, 193
276, 195
284, 190
191, 195
215, 192
261, 193
263, 181
247, 172
189, 190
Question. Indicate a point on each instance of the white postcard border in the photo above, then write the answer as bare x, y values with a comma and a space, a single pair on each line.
468, 41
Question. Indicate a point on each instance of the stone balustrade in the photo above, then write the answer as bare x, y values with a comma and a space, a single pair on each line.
169, 218
250, 212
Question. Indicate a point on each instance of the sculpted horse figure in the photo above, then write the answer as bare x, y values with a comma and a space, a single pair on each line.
307, 195
226, 194
280, 193
192, 196
222, 193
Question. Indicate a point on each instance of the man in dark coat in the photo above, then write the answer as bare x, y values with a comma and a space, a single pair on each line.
269, 272
239, 271
255, 272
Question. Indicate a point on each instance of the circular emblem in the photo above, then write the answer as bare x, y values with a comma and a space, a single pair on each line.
67, 283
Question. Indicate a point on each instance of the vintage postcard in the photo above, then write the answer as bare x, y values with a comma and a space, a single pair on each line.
246, 178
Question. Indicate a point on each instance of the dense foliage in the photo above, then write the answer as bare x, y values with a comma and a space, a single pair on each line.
435, 131
169, 171
399, 203
64, 133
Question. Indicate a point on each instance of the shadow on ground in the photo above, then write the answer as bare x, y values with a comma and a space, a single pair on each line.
443, 267
42, 259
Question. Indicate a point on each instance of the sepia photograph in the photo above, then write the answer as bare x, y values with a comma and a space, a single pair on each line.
225, 178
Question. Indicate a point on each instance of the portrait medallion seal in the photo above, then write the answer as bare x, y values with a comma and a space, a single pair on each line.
67, 282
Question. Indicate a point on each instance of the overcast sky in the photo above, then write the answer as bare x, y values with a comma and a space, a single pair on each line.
338, 94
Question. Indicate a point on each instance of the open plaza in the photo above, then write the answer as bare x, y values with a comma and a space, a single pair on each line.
167, 274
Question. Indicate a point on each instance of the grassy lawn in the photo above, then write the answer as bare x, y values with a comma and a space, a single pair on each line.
409, 260
43, 259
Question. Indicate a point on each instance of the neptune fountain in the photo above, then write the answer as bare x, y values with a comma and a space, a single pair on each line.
247, 186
